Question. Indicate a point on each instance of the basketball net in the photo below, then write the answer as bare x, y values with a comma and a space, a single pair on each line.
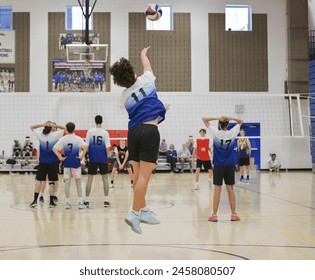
87, 68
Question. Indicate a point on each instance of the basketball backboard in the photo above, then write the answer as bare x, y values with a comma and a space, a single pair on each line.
81, 53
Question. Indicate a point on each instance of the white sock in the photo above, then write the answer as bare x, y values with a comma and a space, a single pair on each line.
106, 198
68, 200
41, 194
55, 193
80, 199
87, 199
135, 212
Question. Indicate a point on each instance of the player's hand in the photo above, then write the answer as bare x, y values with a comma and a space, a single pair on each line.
145, 50
120, 166
224, 119
62, 158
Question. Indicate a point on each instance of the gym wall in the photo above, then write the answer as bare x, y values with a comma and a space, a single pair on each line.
238, 61
170, 52
21, 25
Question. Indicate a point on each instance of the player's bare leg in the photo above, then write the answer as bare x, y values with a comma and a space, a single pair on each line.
197, 178
231, 194
141, 185
210, 172
131, 176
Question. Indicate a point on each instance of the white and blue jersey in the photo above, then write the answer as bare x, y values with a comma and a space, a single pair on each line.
141, 101
71, 145
46, 144
98, 140
223, 143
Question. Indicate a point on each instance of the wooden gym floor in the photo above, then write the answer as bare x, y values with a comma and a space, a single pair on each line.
277, 221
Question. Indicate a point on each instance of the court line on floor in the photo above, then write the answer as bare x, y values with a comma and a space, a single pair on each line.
275, 197
176, 246
20, 248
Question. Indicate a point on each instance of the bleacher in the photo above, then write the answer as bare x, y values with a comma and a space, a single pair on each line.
163, 165
22, 165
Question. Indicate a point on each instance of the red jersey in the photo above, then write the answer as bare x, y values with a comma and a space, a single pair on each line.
202, 148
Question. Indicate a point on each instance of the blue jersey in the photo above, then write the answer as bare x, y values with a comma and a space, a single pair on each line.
98, 140
71, 145
46, 144
223, 143
57, 78
141, 101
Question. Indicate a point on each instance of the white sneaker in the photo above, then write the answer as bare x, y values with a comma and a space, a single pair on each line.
68, 205
133, 221
148, 217
81, 205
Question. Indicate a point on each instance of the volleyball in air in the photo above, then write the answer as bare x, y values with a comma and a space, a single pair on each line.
153, 12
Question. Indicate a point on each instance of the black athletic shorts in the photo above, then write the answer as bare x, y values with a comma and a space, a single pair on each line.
143, 143
205, 163
93, 166
243, 161
45, 169
226, 173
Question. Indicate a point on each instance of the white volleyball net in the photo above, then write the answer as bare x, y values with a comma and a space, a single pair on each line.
278, 115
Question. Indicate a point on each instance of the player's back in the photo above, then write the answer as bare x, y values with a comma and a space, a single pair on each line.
71, 145
98, 140
46, 143
223, 145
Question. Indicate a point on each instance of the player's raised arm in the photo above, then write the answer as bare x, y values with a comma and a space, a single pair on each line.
206, 120
35, 126
145, 60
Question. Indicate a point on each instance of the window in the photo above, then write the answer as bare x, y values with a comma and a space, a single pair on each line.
165, 22
238, 17
5, 17
75, 19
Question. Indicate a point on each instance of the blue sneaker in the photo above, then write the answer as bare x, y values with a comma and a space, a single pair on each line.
148, 217
68, 205
81, 205
247, 181
241, 180
133, 221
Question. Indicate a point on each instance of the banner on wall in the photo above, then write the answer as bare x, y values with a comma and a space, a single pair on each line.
7, 79
78, 77
73, 38
7, 46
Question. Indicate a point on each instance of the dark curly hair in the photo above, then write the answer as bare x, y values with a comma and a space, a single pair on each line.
123, 73
224, 124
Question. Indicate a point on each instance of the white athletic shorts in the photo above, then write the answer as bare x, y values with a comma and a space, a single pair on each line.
74, 173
